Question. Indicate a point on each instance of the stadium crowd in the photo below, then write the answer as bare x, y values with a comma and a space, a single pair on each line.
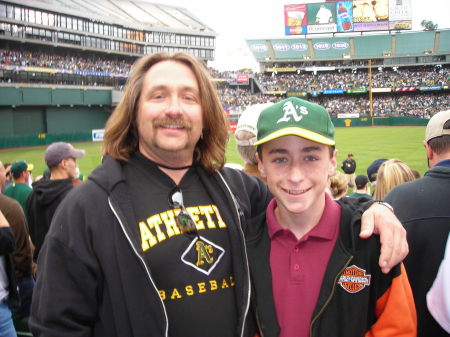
94, 70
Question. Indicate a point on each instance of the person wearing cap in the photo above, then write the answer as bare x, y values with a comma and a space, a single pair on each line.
362, 187
61, 159
21, 258
245, 136
372, 170
423, 207
325, 280
20, 190
349, 168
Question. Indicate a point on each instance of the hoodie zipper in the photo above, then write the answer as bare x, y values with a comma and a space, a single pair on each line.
314, 319
236, 208
166, 334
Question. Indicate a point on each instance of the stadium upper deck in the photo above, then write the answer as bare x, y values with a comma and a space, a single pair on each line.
119, 27
327, 53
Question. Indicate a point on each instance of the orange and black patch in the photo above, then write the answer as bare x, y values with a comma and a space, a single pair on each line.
354, 279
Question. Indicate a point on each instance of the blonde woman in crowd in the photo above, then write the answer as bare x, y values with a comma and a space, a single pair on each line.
338, 185
391, 173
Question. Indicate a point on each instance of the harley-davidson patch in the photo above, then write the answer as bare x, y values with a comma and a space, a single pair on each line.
354, 279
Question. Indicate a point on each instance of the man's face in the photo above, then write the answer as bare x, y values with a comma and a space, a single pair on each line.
70, 165
297, 172
169, 117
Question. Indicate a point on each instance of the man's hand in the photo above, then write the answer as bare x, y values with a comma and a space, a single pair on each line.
379, 219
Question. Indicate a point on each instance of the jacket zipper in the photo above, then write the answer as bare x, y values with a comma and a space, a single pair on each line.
166, 334
329, 297
245, 252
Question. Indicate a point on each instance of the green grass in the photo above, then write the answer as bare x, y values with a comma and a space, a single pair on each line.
366, 144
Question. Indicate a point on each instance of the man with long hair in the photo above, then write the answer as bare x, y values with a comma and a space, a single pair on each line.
153, 243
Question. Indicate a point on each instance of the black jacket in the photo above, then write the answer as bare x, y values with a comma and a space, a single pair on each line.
92, 278
423, 207
7, 246
41, 205
338, 312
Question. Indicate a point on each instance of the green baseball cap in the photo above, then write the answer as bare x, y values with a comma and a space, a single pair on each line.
20, 166
295, 116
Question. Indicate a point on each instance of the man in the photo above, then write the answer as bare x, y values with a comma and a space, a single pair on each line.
20, 190
61, 159
372, 170
8, 179
423, 207
362, 187
8, 290
325, 280
245, 135
349, 168
152, 243
21, 256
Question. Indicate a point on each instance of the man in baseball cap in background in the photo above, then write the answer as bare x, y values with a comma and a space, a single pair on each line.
20, 190
422, 205
61, 159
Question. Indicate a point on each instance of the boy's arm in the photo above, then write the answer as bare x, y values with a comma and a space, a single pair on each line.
395, 310
379, 219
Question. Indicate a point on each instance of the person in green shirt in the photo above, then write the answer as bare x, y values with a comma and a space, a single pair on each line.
362, 187
20, 190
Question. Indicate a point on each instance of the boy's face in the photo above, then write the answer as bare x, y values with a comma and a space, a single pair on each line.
297, 172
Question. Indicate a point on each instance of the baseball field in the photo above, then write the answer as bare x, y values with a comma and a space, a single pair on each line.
365, 143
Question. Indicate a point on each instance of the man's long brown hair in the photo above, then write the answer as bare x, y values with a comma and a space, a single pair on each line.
121, 135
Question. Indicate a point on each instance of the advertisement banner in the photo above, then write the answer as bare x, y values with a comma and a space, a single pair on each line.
333, 91
400, 14
357, 91
344, 10
405, 89
295, 19
242, 78
370, 15
321, 18
430, 88
97, 135
381, 89
347, 16
296, 94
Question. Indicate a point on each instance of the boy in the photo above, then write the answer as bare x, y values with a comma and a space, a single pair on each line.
325, 281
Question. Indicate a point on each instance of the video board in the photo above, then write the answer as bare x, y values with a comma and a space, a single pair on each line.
347, 16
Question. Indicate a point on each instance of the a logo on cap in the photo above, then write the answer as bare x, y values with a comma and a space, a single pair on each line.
354, 279
290, 110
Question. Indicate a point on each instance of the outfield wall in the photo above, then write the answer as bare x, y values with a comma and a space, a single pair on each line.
379, 121
41, 115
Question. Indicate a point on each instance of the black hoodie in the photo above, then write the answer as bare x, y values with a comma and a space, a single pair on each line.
41, 205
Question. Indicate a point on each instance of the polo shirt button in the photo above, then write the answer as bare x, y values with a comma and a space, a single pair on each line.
296, 250
296, 267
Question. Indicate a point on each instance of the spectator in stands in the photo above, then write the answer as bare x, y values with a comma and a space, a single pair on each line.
20, 190
302, 252
349, 168
8, 291
7, 177
21, 258
338, 185
391, 173
123, 243
372, 170
61, 159
423, 207
362, 187
245, 135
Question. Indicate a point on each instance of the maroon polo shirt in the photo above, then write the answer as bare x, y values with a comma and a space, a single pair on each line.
298, 267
